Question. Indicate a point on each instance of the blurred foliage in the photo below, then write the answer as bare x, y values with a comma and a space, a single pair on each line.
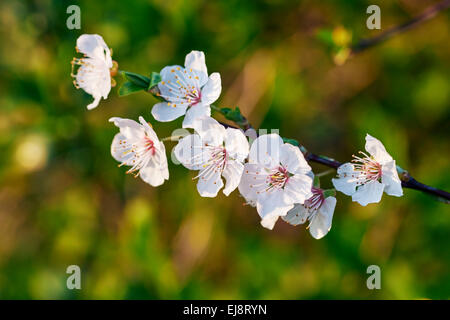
64, 201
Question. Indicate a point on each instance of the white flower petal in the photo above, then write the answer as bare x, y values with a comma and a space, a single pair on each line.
370, 192
293, 160
232, 174
93, 76
117, 150
154, 173
168, 73
157, 169
194, 112
163, 160
164, 113
149, 130
297, 215
377, 150
196, 60
211, 91
269, 221
265, 150
94, 103
321, 222
236, 144
129, 128
252, 181
93, 46
190, 153
272, 205
87, 43
211, 131
346, 183
393, 185
209, 185
298, 188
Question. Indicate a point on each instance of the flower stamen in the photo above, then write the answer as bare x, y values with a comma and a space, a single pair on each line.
367, 169
137, 154
216, 161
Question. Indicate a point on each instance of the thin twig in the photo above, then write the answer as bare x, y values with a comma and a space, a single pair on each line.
425, 16
405, 177
172, 138
325, 173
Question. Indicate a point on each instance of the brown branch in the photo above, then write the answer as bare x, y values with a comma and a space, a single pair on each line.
407, 180
425, 16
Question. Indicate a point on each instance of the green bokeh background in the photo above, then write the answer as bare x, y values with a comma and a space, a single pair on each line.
63, 200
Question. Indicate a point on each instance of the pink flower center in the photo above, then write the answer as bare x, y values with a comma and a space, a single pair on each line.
270, 180
194, 97
184, 88
278, 178
315, 201
149, 146
137, 154
216, 160
367, 167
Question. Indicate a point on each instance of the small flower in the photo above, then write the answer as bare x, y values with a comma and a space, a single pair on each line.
137, 146
275, 178
95, 69
368, 176
215, 152
187, 91
318, 209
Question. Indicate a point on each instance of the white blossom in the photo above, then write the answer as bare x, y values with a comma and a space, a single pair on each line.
138, 146
187, 91
93, 74
215, 152
275, 178
318, 210
366, 177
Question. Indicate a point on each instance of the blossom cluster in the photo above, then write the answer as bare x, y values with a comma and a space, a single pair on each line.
271, 175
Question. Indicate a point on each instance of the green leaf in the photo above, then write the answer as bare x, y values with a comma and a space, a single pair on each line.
155, 78
233, 114
128, 88
137, 79
291, 141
